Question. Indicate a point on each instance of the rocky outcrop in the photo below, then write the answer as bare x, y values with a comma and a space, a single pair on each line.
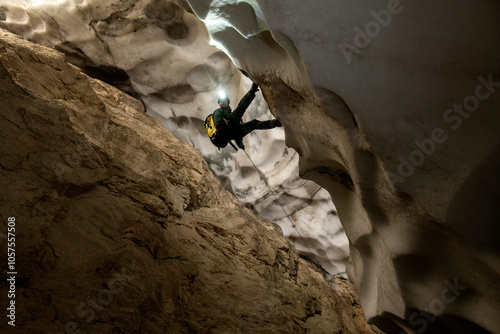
121, 227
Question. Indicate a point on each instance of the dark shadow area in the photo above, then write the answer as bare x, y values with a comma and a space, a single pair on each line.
111, 75
447, 281
475, 210
421, 322
385, 324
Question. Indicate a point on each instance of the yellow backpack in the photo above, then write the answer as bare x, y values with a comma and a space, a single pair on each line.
217, 137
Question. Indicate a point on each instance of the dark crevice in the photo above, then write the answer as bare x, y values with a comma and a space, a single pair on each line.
111, 75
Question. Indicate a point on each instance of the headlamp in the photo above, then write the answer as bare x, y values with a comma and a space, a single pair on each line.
222, 97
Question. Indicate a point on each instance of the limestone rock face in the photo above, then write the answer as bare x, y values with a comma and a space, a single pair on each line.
121, 227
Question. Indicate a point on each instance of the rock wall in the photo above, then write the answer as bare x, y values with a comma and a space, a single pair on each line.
392, 107
157, 51
121, 227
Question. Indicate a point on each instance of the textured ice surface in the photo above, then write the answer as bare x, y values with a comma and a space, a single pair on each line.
164, 51
393, 107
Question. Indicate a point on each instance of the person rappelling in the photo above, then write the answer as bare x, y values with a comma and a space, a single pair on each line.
224, 125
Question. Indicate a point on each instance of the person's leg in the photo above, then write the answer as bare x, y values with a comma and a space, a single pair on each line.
259, 125
246, 128
239, 142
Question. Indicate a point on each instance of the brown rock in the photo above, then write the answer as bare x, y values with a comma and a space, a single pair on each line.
122, 228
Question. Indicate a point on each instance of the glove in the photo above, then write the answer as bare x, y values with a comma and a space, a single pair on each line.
254, 88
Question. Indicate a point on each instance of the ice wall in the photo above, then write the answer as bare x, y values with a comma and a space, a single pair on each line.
392, 106
158, 52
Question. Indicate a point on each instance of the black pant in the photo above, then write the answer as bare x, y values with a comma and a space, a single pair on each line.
246, 128
243, 129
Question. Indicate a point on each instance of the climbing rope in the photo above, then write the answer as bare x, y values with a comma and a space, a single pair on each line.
294, 225
263, 177
205, 64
